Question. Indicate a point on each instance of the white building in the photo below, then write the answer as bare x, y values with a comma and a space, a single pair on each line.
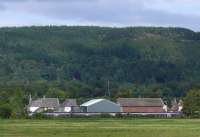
100, 106
69, 105
43, 104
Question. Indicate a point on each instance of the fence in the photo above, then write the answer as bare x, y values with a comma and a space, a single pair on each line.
119, 114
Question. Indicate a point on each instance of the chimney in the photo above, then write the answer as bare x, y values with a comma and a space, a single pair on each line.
175, 101
30, 99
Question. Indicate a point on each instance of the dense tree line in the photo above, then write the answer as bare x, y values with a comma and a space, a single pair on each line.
77, 62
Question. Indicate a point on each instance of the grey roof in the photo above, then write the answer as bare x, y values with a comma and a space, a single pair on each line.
95, 101
69, 103
140, 102
91, 102
45, 102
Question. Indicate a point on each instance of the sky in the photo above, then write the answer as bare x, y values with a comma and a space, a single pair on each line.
111, 13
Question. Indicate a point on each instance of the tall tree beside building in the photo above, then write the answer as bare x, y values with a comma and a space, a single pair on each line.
192, 103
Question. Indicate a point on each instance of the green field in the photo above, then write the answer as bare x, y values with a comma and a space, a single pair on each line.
100, 128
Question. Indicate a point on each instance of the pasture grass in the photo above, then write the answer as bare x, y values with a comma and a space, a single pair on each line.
102, 127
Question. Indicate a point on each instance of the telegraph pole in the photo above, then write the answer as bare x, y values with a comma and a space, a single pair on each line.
108, 86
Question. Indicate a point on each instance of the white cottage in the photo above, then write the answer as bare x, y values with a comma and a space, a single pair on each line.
43, 104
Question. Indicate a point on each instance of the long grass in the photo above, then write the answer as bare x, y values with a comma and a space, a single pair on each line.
101, 128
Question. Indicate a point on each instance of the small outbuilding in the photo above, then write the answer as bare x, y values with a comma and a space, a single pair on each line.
69, 105
176, 106
142, 105
100, 106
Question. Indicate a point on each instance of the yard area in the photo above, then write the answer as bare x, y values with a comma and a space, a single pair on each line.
104, 127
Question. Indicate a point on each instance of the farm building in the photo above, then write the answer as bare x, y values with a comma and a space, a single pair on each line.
100, 106
176, 106
43, 104
69, 105
142, 105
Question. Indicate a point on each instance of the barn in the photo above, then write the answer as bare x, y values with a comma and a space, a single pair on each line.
142, 105
100, 106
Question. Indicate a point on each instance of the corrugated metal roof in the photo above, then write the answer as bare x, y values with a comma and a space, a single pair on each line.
91, 102
140, 102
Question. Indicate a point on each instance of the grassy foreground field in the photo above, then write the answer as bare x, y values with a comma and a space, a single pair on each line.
100, 128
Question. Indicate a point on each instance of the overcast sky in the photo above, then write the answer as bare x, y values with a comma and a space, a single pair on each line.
115, 13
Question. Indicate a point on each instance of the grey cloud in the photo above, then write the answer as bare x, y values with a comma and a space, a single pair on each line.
123, 13
47, 0
103, 12
2, 7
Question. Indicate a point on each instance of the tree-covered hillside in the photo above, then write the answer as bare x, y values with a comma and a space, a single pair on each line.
78, 61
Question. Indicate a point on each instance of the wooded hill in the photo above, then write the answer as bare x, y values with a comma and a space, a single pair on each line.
78, 61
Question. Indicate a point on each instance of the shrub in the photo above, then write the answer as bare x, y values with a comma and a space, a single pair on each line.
40, 116
5, 111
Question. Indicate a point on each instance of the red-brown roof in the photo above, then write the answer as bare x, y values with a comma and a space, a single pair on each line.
140, 102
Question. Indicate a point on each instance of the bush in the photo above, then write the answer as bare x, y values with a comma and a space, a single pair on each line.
5, 111
191, 103
40, 116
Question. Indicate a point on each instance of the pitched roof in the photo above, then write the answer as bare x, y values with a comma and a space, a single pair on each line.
140, 102
91, 102
69, 103
175, 105
45, 102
